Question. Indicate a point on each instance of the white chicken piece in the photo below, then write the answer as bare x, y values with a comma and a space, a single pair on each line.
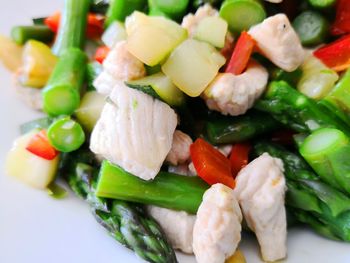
260, 190
235, 94
177, 226
181, 169
277, 40
225, 149
180, 149
120, 65
135, 131
217, 230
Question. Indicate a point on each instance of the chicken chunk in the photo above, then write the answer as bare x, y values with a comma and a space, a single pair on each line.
120, 65
260, 190
277, 40
180, 149
217, 230
235, 94
177, 226
135, 131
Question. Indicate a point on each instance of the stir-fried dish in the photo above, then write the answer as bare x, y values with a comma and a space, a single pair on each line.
183, 123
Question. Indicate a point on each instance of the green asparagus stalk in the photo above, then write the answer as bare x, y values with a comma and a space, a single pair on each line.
297, 111
128, 223
324, 208
327, 151
237, 129
166, 190
61, 96
41, 123
20, 34
71, 33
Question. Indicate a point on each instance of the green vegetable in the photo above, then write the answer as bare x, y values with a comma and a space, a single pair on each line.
242, 14
154, 11
93, 69
38, 21
120, 9
61, 96
311, 27
21, 34
327, 151
166, 190
322, 4
197, 3
291, 77
160, 87
56, 191
237, 129
127, 223
66, 135
175, 9
297, 111
71, 33
42, 123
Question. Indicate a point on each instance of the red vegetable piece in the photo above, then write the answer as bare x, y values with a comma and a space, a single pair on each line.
211, 165
241, 54
53, 21
341, 24
40, 146
239, 157
101, 53
335, 55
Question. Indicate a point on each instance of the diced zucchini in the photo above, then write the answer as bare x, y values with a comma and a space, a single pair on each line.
163, 86
114, 33
10, 53
192, 66
212, 30
317, 80
38, 63
28, 167
90, 109
151, 39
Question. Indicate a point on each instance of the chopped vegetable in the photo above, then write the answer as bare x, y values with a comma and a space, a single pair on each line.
21, 34
311, 27
192, 66
239, 157
322, 4
66, 135
175, 9
38, 64
72, 26
113, 34
101, 53
93, 69
242, 14
335, 55
162, 86
28, 167
212, 30
237, 257
327, 151
151, 39
291, 77
10, 53
341, 24
40, 146
56, 191
241, 54
166, 190
211, 165
90, 109
38, 124
62, 93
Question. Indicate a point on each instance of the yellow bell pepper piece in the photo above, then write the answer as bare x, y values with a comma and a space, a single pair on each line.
237, 257
10, 53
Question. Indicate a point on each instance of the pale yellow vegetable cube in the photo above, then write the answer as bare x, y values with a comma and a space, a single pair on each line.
213, 30
10, 53
192, 66
237, 257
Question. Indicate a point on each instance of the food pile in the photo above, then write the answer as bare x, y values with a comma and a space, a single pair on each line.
183, 123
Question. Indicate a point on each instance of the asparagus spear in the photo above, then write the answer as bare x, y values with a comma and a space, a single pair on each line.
125, 222
312, 201
297, 111
20, 34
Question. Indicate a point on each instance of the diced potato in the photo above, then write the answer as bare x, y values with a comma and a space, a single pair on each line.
151, 39
37, 64
10, 53
237, 257
28, 167
212, 30
114, 33
192, 66
90, 109
317, 79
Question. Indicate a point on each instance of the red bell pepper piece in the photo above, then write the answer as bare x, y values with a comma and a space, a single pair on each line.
94, 27
335, 55
241, 54
341, 24
239, 157
101, 53
211, 165
40, 146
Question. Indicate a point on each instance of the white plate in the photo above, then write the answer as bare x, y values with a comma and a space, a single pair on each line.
36, 228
